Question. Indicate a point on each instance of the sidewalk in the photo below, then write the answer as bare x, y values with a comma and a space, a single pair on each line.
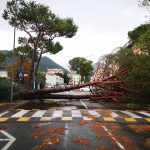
11, 105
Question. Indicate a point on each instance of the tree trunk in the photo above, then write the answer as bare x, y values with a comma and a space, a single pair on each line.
61, 96
37, 65
31, 75
100, 89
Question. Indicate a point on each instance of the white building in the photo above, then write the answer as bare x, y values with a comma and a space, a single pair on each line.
75, 78
3, 74
52, 80
54, 71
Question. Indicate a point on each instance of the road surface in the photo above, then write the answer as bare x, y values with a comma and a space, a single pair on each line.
72, 127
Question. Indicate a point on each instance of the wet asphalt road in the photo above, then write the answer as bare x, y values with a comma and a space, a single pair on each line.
111, 136
53, 127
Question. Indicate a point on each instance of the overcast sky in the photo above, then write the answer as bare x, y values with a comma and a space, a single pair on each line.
102, 26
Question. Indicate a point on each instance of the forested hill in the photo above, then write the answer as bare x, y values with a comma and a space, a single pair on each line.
45, 63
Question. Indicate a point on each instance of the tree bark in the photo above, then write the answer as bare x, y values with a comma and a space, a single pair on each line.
103, 87
31, 75
37, 65
61, 96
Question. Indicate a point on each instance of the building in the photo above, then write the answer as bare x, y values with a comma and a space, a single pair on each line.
3, 74
54, 71
75, 78
52, 78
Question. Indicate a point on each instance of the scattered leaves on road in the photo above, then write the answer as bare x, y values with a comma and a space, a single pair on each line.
99, 137
92, 117
104, 112
3, 127
81, 140
12, 110
37, 126
81, 123
52, 140
126, 141
148, 142
35, 135
52, 136
139, 128
102, 148
56, 129
37, 147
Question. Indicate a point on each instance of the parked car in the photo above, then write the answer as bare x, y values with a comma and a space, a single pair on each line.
48, 85
61, 85
85, 89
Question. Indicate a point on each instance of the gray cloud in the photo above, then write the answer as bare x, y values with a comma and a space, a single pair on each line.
103, 24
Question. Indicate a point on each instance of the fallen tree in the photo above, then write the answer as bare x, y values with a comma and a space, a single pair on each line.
106, 88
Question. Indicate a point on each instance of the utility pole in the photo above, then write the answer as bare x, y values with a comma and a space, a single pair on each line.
13, 58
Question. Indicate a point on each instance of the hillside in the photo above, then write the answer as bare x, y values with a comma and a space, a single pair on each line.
45, 63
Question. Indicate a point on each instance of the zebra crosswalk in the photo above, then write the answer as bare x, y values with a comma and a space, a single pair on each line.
75, 114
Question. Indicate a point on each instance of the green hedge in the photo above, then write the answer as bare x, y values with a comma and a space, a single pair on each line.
5, 88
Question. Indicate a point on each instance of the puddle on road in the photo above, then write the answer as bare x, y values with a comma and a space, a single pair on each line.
48, 104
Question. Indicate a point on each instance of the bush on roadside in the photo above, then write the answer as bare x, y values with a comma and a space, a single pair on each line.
5, 88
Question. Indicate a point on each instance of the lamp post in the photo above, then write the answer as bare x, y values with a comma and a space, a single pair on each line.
14, 40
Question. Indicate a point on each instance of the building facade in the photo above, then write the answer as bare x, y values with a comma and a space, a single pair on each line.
52, 78
3, 74
54, 71
75, 78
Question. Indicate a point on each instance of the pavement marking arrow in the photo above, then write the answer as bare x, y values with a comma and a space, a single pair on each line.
10, 138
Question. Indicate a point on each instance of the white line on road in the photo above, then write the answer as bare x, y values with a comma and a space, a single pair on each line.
3, 113
11, 139
94, 113
57, 113
114, 115
116, 141
4, 139
20, 113
39, 113
76, 113
83, 104
131, 114
145, 113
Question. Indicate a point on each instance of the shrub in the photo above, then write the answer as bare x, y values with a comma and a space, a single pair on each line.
5, 88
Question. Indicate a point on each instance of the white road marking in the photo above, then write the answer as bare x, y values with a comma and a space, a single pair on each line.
57, 113
73, 107
20, 113
66, 137
94, 113
66, 108
11, 139
145, 113
83, 104
116, 141
76, 113
114, 115
131, 114
3, 113
4, 139
39, 113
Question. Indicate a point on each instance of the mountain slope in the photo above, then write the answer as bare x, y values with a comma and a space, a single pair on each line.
45, 63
